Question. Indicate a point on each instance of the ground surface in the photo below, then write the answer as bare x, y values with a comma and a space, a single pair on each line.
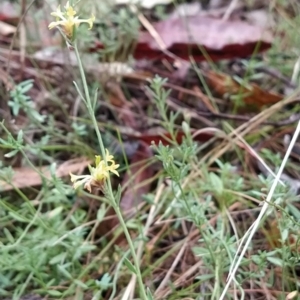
198, 103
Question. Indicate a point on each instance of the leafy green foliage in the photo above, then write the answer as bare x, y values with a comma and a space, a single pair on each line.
20, 101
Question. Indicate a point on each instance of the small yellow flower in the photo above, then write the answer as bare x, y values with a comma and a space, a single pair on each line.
67, 20
98, 174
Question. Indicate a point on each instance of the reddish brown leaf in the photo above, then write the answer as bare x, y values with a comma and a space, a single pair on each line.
8, 12
220, 39
254, 95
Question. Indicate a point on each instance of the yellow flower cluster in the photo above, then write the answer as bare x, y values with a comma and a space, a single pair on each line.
98, 174
67, 21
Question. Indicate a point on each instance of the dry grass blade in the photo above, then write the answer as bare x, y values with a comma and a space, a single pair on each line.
183, 278
171, 270
265, 206
248, 127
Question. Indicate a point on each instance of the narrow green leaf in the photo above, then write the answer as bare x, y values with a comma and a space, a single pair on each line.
64, 272
149, 295
101, 212
95, 99
79, 92
20, 137
205, 277
11, 153
25, 86
18, 217
130, 266
8, 235
217, 183
81, 284
276, 261
58, 258
54, 293
118, 195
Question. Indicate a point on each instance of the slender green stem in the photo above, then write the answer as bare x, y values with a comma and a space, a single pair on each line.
89, 102
133, 253
110, 191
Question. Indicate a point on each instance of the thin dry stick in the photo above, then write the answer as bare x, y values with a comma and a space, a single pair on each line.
180, 280
296, 71
154, 34
150, 28
265, 206
22, 47
233, 4
189, 113
173, 266
247, 127
16, 32
256, 155
250, 149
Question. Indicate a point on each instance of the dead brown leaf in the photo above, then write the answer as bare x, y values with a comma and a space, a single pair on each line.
118, 99
27, 177
254, 95
137, 178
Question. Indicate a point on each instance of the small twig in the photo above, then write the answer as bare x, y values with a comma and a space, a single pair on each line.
256, 156
149, 27
171, 269
248, 127
190, 113
22, 39
192, 270
276, 74
233, 4
296, 71
154, 33
15, 34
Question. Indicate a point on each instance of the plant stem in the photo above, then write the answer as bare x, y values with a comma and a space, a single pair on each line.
114, 204
133, 253
88, 101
